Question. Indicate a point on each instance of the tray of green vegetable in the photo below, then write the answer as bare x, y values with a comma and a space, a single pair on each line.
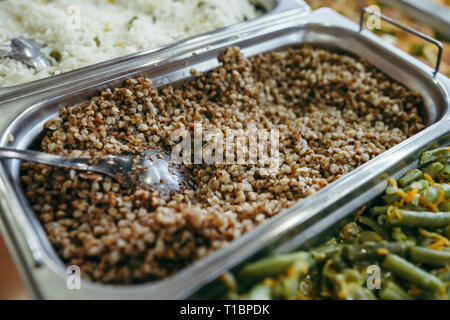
396, 247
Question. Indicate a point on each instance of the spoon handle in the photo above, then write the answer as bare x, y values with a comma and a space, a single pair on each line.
45, 158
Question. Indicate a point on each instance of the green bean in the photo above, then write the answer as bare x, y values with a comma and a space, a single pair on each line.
442, 273
445, 172
406, 270
370, 236
324, 252
430, 194
430, 256
357, 292
425, 242
400, 236
410, 177
422, 182
275, 265
421, 219
370, 251
350, 231
411, 207
425, 184
444, 206
434, 192
447, 231
446, 188
379, 210
391, 291
260, 292
347, 285
391, 198
372, 224
286, 288
432, 155
433, 169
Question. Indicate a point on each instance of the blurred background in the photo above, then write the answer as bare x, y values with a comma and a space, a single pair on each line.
415, 46
11, 286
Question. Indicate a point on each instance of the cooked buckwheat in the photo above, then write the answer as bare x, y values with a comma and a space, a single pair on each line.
334, 112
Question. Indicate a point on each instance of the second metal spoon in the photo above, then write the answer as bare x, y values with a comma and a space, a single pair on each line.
28, 51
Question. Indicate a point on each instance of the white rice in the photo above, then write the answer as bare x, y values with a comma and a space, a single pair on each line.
154, 22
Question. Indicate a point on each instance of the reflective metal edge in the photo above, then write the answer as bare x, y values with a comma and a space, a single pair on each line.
48, 280
282, 9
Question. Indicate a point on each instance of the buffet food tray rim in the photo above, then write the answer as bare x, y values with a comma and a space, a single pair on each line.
48, 280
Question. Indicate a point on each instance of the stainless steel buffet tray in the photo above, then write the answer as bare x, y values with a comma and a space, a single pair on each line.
275, 8
23, 118
435, 15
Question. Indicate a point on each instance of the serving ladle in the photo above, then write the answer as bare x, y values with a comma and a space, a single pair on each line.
152, 170
27, 51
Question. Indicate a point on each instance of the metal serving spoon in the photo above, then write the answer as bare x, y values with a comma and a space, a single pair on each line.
151, 170
28, 51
